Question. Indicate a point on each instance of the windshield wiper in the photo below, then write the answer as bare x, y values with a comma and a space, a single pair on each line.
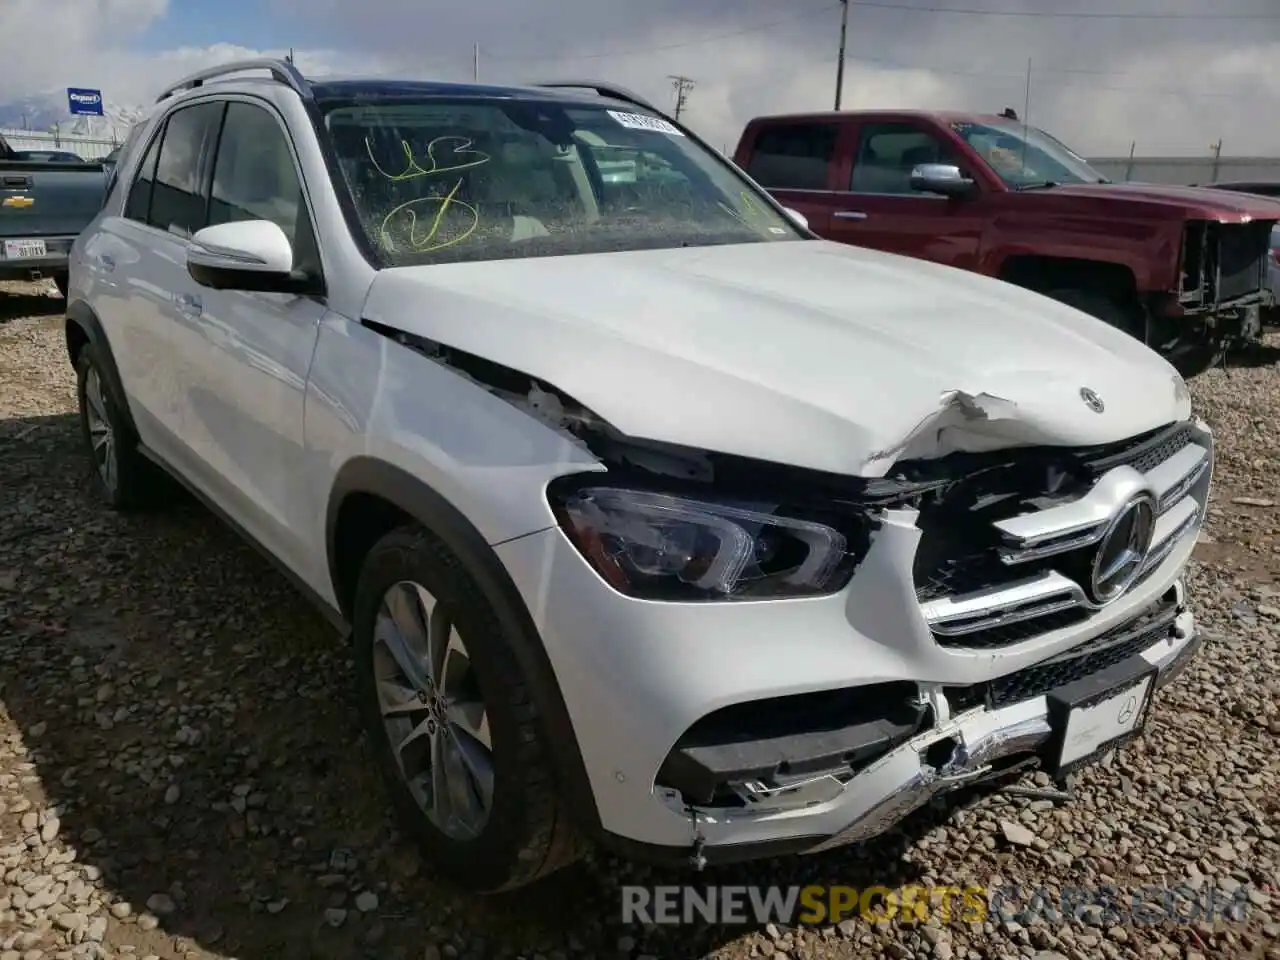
1042, 185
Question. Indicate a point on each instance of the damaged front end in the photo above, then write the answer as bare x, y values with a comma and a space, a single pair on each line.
979, 569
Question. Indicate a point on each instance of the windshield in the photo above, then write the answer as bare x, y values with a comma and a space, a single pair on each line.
444, 181
1026, 156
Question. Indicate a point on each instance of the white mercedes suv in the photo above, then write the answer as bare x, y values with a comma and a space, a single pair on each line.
655, 520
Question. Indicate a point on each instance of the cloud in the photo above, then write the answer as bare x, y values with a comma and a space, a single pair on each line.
1173, 86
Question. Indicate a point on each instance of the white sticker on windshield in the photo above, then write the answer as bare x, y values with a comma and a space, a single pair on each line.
638, 121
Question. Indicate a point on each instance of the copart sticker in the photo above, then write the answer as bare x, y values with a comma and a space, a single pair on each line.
638, 121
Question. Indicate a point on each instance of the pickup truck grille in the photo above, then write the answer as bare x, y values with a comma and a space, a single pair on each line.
1222, 262
989, 577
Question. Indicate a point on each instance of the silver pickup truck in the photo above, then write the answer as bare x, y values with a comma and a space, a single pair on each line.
43, 207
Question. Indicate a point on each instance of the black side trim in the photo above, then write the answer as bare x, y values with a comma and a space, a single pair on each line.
295, 282
364, 475
327, 610
81, 315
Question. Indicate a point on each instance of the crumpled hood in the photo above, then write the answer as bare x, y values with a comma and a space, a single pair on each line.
809, 353
1195, 203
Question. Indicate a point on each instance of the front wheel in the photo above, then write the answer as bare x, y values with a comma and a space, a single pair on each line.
1099, 305
449, 712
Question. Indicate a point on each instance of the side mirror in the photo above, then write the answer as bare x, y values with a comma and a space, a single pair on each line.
249, 255
800, 219
942, 178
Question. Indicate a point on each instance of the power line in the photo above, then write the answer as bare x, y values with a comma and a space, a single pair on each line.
682, 87
1062, 14
814, 13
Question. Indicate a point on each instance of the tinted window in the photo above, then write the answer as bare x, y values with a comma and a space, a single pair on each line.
793, 156
138, 203
1024, 156
179, 195
439, 180
254, 177
888, 152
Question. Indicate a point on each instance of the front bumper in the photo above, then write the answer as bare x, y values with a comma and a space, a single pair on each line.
858, 706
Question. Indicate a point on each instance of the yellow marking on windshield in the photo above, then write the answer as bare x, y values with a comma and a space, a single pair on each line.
425, 244
412, 170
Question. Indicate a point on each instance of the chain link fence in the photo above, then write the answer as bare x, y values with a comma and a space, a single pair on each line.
87, 148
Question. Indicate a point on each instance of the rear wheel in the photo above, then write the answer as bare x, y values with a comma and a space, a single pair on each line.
120, 475
454, 728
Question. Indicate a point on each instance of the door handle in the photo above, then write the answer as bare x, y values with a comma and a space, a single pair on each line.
189, 303
849, 215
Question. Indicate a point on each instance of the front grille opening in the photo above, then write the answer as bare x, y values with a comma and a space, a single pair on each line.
958, 552
1116, 645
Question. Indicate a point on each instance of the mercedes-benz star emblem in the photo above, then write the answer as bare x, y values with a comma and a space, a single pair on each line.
1127, 710
1122, 551
1092, 400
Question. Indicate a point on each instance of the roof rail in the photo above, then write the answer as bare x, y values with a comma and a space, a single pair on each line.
280, 70
604, 90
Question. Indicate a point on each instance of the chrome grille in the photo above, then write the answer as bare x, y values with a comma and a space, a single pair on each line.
1027, 573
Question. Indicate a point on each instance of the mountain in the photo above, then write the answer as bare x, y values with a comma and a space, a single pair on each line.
41, 113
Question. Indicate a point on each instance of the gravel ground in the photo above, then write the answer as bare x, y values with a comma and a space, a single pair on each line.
181, 773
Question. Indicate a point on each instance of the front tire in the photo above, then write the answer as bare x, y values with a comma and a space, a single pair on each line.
454, 728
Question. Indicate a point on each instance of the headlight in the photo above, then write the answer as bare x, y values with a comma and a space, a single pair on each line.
662, 547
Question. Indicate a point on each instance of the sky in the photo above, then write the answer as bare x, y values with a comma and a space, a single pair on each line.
1171, 76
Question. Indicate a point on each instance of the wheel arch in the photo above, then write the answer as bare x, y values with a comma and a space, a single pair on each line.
83, 327
368, 499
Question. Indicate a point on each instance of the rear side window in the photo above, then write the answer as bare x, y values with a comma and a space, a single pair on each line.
793, 156
180, 193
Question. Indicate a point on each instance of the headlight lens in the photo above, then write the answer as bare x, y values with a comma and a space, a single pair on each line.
662, 547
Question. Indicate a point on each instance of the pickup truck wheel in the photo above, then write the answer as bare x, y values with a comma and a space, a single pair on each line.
1098, 305
121, 476
454, 728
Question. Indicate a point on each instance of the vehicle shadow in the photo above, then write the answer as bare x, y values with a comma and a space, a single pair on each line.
187, 720
15, 305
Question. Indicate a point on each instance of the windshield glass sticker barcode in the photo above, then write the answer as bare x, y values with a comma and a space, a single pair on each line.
638, 121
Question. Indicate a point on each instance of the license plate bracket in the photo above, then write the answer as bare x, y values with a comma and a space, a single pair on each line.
25, 249
1098, 713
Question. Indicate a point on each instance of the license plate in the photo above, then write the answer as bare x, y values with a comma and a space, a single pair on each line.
1097, 714
24, 249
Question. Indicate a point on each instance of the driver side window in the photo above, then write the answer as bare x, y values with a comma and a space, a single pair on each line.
254, 178
888, 152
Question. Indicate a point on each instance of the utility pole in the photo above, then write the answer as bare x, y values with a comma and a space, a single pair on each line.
844, 36
1217, 156
289, 58
682, 85
475, 63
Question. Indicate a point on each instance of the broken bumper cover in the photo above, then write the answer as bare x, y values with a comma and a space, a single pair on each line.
903, 780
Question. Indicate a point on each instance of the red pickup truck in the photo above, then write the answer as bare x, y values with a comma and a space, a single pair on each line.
1182, 268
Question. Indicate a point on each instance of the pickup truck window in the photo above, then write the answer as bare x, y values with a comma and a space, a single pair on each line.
445, 180
178, 196
888, 152
1025, 156
793, 156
